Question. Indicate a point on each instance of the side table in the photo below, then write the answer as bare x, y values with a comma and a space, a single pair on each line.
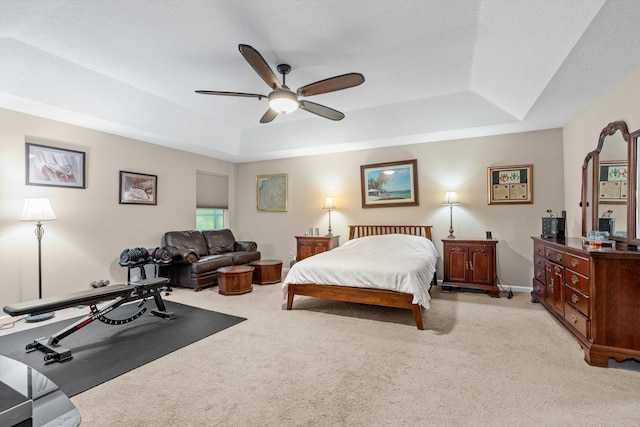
267, 271
235, 279
470, 263
312, 245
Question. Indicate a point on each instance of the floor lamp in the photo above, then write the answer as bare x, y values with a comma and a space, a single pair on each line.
328, 205
451, 198
38, 209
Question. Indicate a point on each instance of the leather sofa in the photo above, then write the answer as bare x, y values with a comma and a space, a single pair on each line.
197, 255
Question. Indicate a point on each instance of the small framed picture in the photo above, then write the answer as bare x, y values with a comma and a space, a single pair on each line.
138, 188
391, 184
510, 185
271, 192
54, 167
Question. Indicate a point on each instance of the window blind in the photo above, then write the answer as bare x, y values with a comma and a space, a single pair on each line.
212, 191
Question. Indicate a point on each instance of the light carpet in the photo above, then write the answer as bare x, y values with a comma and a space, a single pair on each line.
481, 361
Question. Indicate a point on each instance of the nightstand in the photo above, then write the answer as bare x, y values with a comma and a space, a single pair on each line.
312, 245
470, 264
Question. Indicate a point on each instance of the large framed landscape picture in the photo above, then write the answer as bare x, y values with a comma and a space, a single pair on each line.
389, 184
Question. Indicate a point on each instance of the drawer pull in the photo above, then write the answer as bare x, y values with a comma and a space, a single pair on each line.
538, 274
574, 279
574, 298
574, 319
574, 262
547, 252
559, 257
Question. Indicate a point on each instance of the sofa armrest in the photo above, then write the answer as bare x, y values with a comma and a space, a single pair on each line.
245, 246
184, 256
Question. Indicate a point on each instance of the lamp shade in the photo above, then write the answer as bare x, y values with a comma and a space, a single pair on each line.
283, 101
328, 203
450, 198
37, 209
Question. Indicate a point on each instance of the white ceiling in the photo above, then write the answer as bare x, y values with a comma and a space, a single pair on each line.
434, 69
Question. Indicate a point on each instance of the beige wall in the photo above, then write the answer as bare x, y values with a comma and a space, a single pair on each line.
460, 165
581, 135
92, 229
84, 243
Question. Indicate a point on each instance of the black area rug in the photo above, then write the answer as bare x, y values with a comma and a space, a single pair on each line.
102, 352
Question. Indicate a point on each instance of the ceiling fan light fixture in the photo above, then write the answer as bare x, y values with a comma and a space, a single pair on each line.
283, 101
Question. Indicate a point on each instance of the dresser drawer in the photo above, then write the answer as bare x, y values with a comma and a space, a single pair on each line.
576, 299
576, 263
538, 261
576, 280
539, 289
538, 249
538, 273
553, 255
577, 320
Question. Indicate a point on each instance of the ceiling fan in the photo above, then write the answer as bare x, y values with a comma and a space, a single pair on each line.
281, 99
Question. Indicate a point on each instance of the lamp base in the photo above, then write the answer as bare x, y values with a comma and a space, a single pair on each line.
39, 317
328, 235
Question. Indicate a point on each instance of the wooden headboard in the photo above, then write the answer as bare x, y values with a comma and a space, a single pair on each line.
356, 231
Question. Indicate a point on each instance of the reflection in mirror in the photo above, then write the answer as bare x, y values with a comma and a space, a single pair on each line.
613, 178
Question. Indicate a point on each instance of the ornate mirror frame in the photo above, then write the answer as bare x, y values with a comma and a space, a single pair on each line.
586, 195
594, 158
634, 185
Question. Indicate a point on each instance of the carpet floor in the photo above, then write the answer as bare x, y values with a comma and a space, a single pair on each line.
102, 352
480, 361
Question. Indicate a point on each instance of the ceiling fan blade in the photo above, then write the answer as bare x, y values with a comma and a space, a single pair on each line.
217, 92
261, 67
269, 116
332, 84
321, 110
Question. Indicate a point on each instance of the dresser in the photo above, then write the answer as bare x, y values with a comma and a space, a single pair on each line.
594, 294
470, 264
307, 246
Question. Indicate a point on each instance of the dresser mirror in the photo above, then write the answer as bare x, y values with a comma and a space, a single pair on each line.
606, 185
634, 185
587, 192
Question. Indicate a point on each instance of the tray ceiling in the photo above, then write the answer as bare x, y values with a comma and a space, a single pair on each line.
434, 69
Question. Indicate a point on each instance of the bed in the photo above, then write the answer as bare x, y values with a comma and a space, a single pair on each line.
384, 265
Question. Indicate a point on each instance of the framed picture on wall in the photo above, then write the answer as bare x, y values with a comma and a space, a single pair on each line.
271, 192
54, 167
138, 188
510, 184
389, 184
613, 181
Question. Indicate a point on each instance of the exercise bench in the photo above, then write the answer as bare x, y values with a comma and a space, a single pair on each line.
120, 294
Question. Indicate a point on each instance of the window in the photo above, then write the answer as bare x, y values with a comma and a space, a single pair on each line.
212, 201
210, 219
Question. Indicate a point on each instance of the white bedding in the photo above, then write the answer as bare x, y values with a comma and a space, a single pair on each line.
396, 262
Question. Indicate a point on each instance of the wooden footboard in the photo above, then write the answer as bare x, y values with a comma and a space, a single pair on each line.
378, 297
